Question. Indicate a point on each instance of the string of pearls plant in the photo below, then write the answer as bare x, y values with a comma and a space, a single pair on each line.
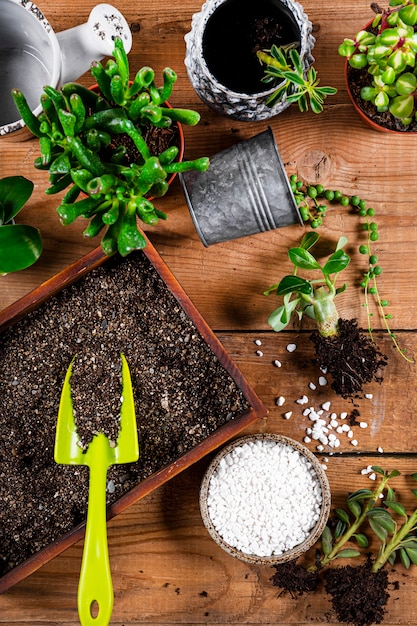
313, 202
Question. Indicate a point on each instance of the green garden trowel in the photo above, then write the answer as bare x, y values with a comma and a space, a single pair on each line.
95, 589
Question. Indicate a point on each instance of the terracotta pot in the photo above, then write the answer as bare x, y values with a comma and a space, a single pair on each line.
75, 273
368, 120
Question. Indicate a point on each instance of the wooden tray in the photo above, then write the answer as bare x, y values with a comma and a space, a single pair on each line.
64, 279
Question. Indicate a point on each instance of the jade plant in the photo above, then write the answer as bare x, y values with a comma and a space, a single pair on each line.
94, 145
284, 68
387, 51
20, 244
370, 513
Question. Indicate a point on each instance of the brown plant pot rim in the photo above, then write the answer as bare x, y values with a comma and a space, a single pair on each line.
67, 277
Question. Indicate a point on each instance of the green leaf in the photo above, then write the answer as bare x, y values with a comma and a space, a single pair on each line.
378, 470
340, 529
15, 191
342, 515
308, 241
355, 507
337, 262
383, 518
412, 553
348, 553
405, 559
379, 530
394, 473
326, 541
279, 318
294, 283
303, 259
361, 494
408, 14
362, 540
406, 84
396, 506
20, 247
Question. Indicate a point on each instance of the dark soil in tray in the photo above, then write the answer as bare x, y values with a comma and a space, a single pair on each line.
182, 394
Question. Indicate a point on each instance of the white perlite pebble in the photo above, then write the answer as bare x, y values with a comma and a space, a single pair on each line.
277, 363
288, 415
264, 498
280, 401
259, 353
322, 381
291, 347
258, 342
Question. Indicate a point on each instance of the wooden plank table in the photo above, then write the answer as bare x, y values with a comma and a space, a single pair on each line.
166, 569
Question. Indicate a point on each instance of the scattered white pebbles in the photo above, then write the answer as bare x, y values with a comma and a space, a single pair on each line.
264, 497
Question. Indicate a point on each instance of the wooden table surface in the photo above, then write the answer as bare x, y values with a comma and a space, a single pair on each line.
166, 569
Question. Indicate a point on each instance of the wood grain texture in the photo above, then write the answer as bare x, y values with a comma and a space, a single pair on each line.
166, 569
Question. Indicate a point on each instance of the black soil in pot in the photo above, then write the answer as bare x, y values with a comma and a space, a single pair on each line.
182, 394
236, 31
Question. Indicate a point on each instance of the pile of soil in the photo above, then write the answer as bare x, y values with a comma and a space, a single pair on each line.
351, 358
358, 596
182, 394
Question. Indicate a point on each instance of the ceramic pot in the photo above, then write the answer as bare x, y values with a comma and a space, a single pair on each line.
221, 65
244, 191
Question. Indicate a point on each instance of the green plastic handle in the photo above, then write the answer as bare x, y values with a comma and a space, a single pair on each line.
95, 589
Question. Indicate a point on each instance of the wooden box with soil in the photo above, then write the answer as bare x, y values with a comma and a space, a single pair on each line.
190, 398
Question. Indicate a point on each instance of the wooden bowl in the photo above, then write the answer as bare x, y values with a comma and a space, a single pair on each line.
317, 527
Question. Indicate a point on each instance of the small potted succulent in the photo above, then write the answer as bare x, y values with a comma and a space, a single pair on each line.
95, 143
380, 68
20, 244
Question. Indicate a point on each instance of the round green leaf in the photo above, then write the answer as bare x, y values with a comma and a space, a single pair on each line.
406, 84
15, 191
294, 283
303, 259
20, 247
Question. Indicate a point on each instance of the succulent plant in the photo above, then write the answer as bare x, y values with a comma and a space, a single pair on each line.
284, 68
93, 142
388, 51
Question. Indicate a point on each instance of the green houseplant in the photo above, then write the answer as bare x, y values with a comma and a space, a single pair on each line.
284, 69
381, 66
20, 244
93, 143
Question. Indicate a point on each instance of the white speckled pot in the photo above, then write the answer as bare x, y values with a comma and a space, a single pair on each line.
33, 55
239, 106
